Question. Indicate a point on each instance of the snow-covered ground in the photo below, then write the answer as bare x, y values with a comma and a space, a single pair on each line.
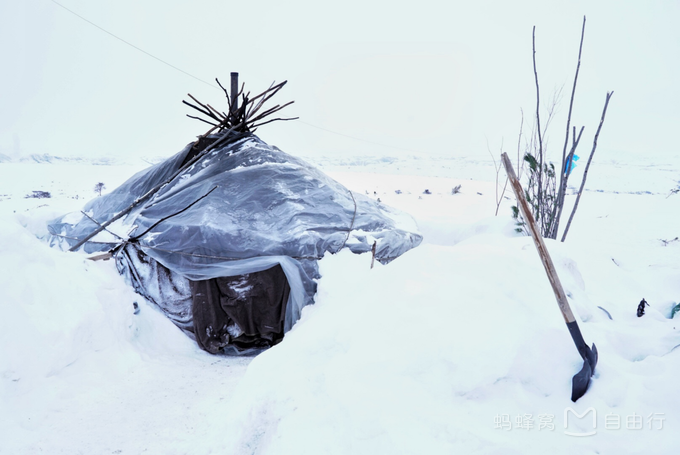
456, 347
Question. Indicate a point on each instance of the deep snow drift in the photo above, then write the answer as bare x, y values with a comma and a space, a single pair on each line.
456, 347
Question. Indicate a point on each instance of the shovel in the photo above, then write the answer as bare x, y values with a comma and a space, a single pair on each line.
581, 380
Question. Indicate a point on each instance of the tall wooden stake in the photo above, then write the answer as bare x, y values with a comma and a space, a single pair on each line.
234, 95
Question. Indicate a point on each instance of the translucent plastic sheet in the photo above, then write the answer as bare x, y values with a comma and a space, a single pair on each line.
240, 209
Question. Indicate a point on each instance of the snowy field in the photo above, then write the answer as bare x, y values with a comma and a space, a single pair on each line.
456, 347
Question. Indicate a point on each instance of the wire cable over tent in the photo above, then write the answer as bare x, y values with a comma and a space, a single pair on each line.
176, 68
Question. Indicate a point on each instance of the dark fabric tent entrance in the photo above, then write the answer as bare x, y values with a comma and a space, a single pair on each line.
246, 311
241, 313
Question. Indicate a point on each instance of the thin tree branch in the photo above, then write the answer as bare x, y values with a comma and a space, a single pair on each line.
269, 112
571, 101
226, 94
137, 237
206, 113
273, 120
206, 108
202, 120
563, 174
585, 172
570, 157
99, 224
519, 142
538, 124
217, 113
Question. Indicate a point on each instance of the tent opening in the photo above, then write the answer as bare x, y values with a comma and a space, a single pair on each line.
246, 311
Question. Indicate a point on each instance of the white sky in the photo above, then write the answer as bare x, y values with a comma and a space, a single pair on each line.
431, 76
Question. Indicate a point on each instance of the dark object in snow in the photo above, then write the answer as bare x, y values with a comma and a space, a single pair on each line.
135, 307
581, 380
456, 189
39, 195
373, 253
666, 242
675, 310
427, 192
641, 308
606, 312
243, 208
99, 187
246, 311
397, 191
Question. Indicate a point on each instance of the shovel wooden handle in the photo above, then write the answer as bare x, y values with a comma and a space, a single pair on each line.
538, 241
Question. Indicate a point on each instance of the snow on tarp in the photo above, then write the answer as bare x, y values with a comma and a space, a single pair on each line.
242, 208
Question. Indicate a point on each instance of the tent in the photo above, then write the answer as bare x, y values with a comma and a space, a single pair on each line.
225, 239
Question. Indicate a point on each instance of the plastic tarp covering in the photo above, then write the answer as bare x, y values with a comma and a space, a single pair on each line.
242, 208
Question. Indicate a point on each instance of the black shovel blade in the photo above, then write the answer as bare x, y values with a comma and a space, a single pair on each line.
581, 380
592, 358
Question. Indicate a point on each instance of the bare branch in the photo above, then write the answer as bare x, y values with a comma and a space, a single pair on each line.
519, 144
564, 175
204, 112
202, 120
217, 113
559, 206
99, 224
226, 93
274, 120
590, 159
538, 123
137, 237
571, 101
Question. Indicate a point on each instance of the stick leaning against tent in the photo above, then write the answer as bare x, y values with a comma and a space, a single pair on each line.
581, 380
143, 198
241, 120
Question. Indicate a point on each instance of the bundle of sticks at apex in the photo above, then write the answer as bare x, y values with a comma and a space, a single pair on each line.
244, 116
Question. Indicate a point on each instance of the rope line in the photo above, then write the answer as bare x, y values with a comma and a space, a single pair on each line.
132, 45
357, 138
149, 54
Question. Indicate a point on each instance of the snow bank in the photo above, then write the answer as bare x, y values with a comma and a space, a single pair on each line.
443, 350
421, 356
456, 347
80, 372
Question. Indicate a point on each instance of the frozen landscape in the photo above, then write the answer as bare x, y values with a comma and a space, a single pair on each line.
456, 347
440, 351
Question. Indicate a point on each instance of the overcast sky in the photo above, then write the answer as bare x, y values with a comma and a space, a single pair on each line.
430, 76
